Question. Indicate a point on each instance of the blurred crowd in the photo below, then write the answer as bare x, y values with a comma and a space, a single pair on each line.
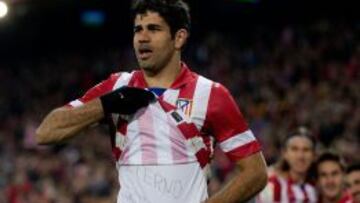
281, 78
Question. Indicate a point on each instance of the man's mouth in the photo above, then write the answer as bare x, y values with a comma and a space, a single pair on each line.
145, 53
331, 187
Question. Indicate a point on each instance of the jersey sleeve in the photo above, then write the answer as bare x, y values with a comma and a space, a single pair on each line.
98, 90
227, 124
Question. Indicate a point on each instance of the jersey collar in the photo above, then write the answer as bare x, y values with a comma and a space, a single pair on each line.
185, 76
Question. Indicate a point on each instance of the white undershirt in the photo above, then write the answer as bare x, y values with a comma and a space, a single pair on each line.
180, 183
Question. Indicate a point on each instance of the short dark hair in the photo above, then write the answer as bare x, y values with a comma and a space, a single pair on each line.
353, 167
329, 156
175, 12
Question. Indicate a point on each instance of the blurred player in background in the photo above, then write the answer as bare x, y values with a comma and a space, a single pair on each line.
163, 118
353, 181
289, 179
330, 174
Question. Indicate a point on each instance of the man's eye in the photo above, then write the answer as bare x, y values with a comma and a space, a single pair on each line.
154, 28
137, 29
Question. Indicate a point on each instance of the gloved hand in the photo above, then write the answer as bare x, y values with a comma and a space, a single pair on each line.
126, 100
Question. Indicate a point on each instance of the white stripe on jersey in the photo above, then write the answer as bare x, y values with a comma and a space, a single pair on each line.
171, 95
311, 192
76, 103
267, 194
237, 141
131, 154
284, 193
298, 193
163, 143
120, 140
200, 101
148, 136
123, 80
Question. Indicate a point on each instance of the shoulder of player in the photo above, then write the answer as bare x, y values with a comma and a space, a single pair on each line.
219, 90
119, 79
120, 75
215, 86
113, 80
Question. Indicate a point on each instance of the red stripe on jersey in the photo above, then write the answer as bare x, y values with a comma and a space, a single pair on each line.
187, 92
223, 115
277, 188
122, 126
290, 191
138, 80
166, 106
116, 153
185, 77
244, 151
203, 157
178, 150
286, 190
189, 130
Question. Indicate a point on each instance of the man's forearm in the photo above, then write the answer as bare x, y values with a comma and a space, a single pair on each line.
250, 180
63, 123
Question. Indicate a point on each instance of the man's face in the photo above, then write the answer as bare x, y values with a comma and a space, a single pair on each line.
299, 154
330, 179
353, 181
153, 44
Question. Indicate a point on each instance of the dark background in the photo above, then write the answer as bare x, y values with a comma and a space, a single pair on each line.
36, 27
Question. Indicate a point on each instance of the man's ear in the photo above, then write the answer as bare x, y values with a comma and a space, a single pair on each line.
180, 38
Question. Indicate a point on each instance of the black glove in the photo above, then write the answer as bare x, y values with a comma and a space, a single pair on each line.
126, 100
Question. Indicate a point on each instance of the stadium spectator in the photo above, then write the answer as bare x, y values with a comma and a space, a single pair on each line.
290, 180
330, 174
353, 181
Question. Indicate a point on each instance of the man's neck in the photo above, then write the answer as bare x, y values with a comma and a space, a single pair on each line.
297, 177
330, 200
166, 76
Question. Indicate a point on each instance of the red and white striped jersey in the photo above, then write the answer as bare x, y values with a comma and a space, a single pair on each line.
284, 190
149, 138
157, 158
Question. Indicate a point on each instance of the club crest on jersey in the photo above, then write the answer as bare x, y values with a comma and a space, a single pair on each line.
185, 105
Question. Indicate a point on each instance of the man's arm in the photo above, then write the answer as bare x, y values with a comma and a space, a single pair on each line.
250, 180
63, 123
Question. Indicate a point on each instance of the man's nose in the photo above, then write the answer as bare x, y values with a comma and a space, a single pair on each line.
329, 179
144, 37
